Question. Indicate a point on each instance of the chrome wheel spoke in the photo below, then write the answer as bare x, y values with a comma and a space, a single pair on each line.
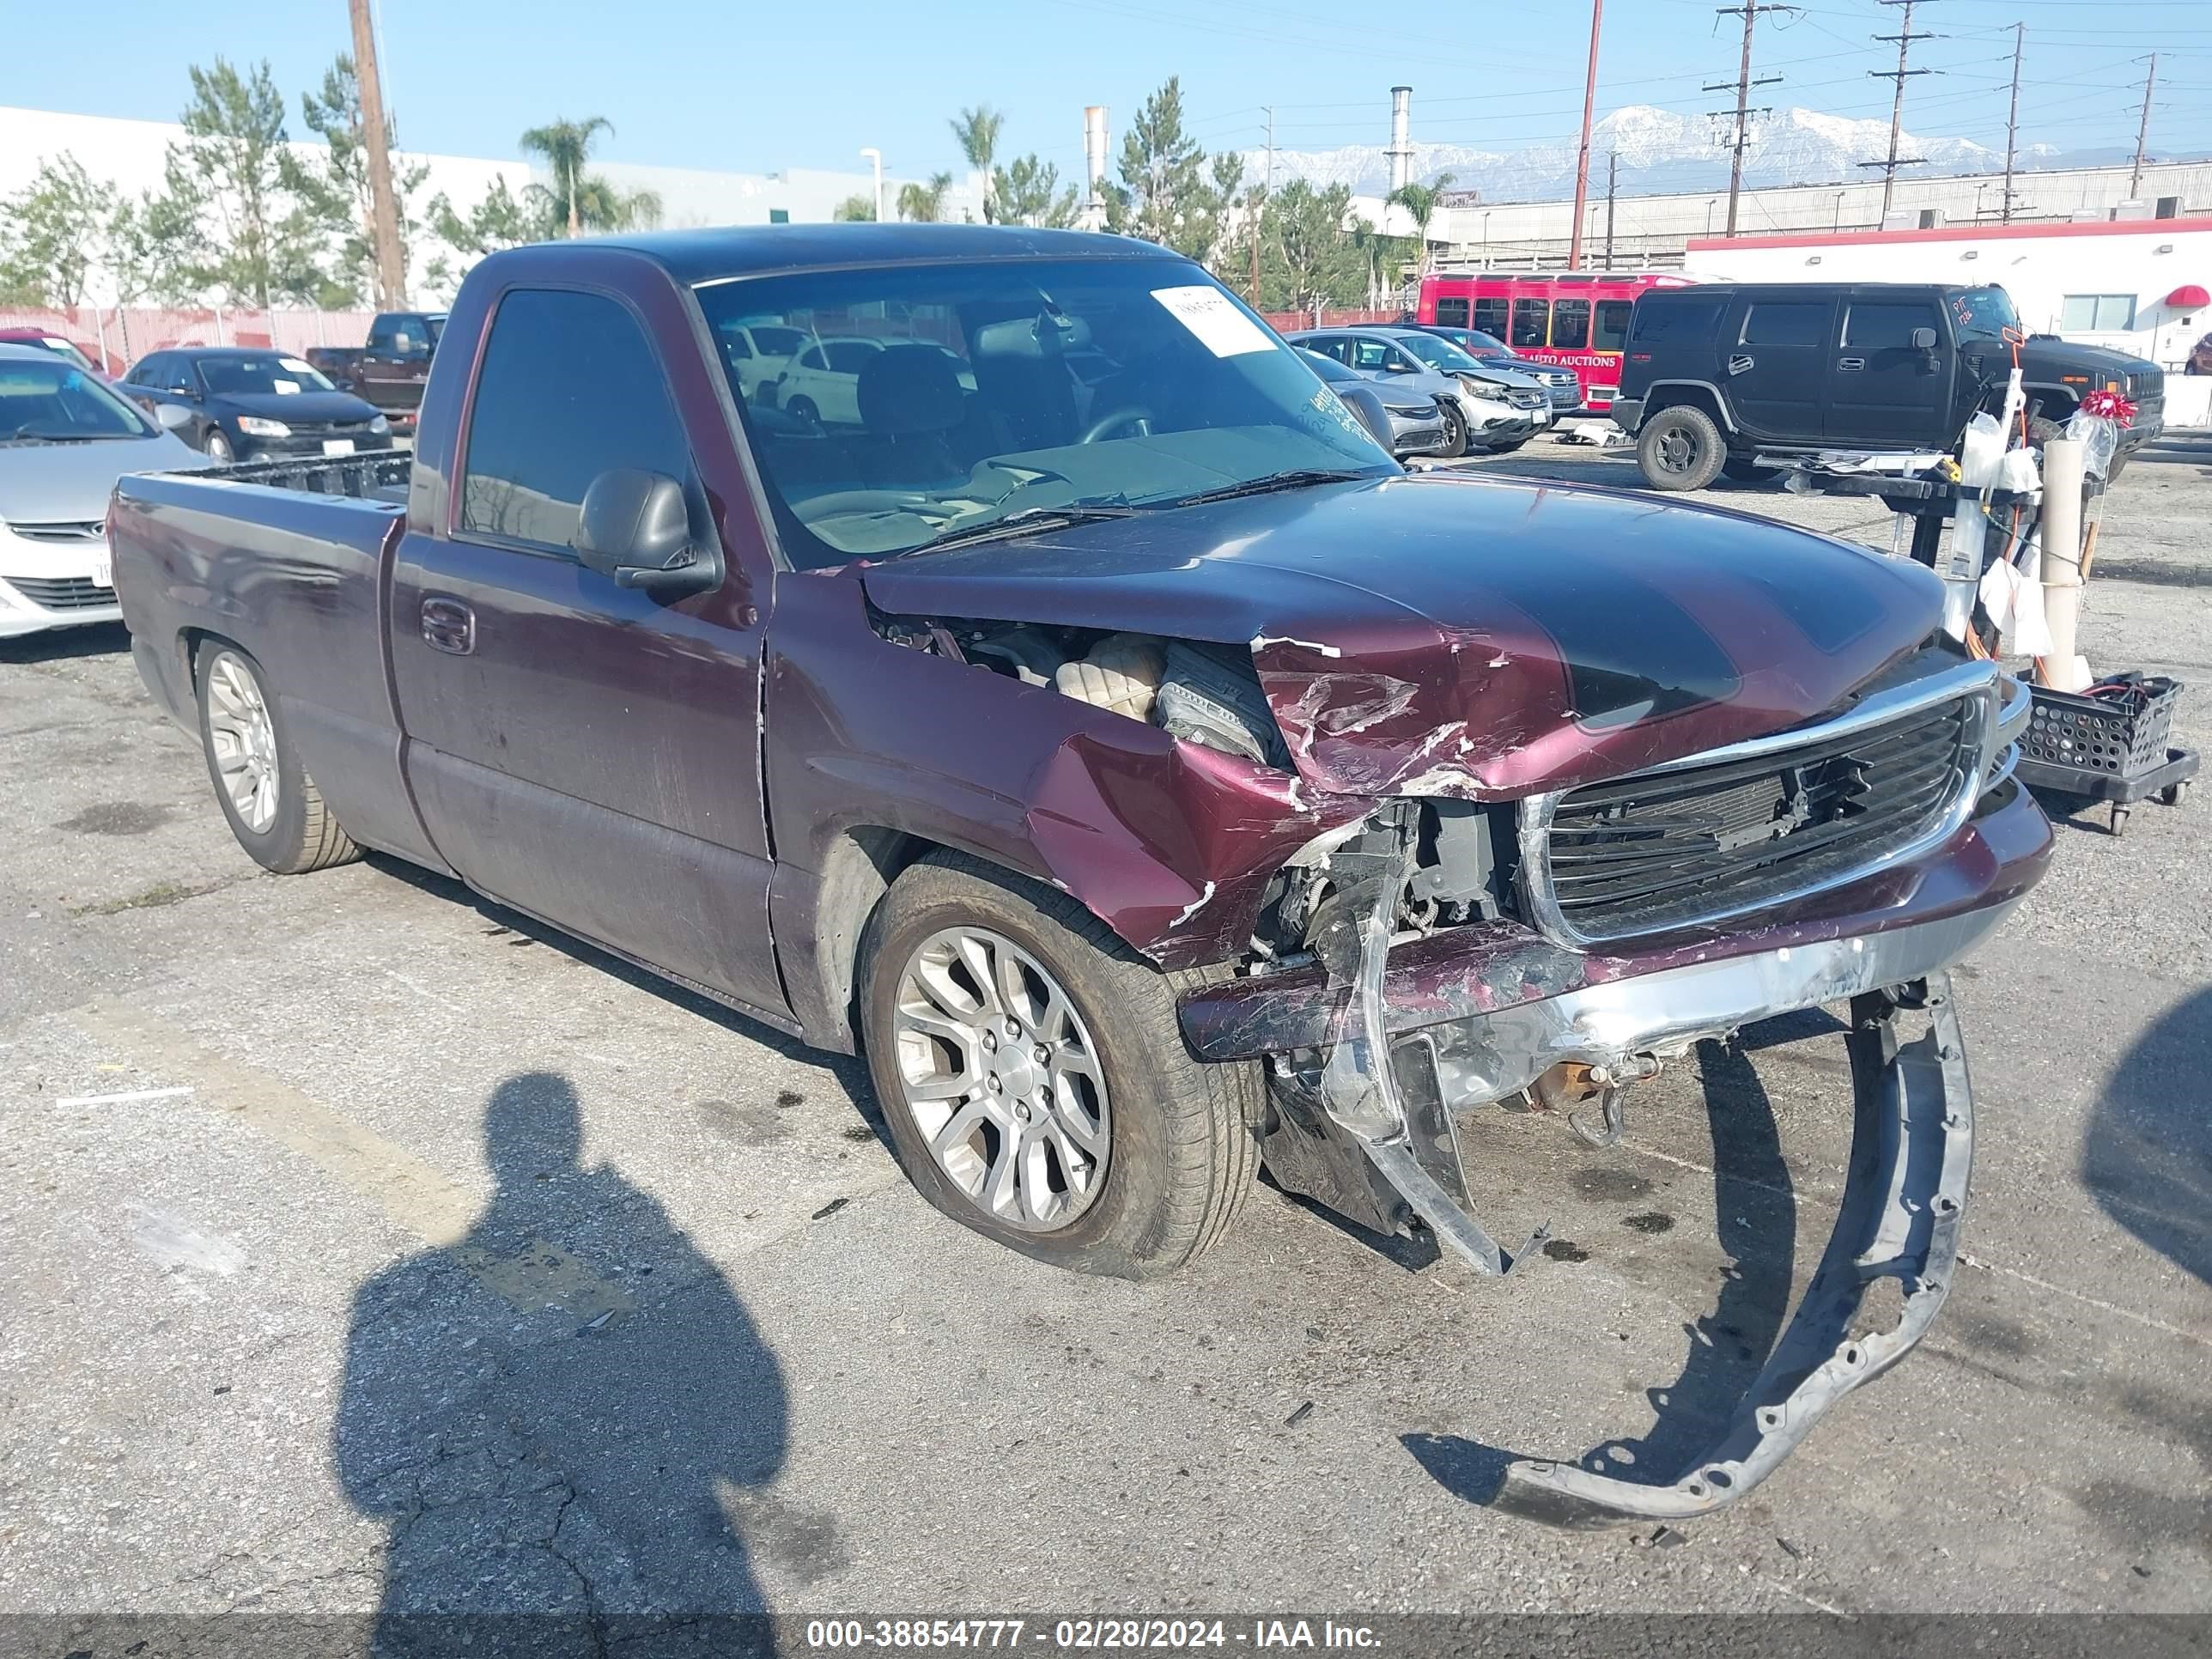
242, 739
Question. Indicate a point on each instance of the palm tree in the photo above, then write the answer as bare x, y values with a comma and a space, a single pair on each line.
1421, 203
923, 203
977, 131
565, 146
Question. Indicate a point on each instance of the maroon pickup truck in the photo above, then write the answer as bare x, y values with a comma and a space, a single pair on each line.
1079, 715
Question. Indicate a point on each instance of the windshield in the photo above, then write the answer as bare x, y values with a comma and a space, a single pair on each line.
931, 401
1439, 353
249, 376
52, 400
1983, 313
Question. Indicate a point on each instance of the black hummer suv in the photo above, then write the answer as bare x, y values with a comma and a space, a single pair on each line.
1718, 374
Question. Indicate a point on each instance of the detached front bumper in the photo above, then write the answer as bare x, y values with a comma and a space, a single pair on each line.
1478, 1013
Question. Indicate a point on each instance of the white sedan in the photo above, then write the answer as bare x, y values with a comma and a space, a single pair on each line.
65, 439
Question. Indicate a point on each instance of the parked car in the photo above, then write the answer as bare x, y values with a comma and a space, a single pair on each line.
1720, 375
1404, 423
1561, 385
65, 438
390, 370
758, 352
247, 404
1486, 409
1150, 778
44, 341
822, 384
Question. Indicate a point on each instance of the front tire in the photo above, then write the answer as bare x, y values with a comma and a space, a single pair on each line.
1454, 431
1032, 1072
218, 447
1680, 448
273, 805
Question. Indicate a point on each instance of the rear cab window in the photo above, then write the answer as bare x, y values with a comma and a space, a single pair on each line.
569, 388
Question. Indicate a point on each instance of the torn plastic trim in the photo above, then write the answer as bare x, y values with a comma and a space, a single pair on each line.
1360, 1087
1904, 1196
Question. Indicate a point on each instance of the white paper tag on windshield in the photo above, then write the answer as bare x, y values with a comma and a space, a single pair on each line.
1210, 315
283, 387
295, 365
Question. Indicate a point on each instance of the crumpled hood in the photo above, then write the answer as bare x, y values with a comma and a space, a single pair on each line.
1447, 633
70, 482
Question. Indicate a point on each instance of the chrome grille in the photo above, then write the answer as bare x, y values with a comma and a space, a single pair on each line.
1526, 398
63, 593
1752, 826
66, 530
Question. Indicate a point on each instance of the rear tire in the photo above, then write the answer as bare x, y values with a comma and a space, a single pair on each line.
288, 829
1181, 1149
1680, 448
802, 410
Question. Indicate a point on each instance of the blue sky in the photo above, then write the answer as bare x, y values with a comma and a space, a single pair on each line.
742, 86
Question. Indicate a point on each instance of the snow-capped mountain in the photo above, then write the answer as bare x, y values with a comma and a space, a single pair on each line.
1659, 149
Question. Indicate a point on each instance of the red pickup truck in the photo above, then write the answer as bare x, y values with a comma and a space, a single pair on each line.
1084, 718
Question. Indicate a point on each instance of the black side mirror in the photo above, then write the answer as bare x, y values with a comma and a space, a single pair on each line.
636, 528
1923, 339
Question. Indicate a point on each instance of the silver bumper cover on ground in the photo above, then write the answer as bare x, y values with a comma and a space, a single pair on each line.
1911, 1150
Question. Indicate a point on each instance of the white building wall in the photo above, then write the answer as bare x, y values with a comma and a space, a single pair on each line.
1648, 229
132, 154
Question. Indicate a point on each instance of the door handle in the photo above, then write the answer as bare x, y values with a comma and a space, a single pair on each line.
449, 625
1850, 364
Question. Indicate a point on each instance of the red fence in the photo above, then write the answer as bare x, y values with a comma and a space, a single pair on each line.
117, 336
1284, 322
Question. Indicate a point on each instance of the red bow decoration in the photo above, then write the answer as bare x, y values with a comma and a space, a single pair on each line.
2109, 406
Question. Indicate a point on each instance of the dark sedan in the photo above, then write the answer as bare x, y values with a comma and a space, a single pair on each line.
243, 404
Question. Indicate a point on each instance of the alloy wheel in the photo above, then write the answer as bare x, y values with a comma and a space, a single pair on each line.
1002, 1078
245, 742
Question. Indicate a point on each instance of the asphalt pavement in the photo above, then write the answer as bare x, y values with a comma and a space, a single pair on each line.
364, 1247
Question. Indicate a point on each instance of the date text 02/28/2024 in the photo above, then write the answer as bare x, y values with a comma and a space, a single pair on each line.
1084, 1635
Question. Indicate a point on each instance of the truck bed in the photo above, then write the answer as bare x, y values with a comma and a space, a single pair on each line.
289, 561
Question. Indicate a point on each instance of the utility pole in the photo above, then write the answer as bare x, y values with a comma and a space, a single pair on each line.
384, 211
2012, 124
1900, 74
1742, 139
1612, 180
2143, 129
1582, 155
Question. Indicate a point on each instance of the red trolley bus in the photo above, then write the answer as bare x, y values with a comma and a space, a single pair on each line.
1577, 319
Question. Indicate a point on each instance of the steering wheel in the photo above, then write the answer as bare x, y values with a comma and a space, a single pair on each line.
1130, 414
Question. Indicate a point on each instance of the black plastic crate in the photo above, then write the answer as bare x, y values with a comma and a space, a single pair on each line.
2116, 730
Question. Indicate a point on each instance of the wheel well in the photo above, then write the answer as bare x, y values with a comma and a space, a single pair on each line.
1695, 397
857, 871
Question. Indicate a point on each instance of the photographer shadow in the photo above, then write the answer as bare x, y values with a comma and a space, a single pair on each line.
563, 1419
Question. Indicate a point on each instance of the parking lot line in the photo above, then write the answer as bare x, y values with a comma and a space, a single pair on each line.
415, 1196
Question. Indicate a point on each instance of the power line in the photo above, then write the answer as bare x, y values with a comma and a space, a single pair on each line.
1741, 140
2012, 121
1900, 74
2143, 128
